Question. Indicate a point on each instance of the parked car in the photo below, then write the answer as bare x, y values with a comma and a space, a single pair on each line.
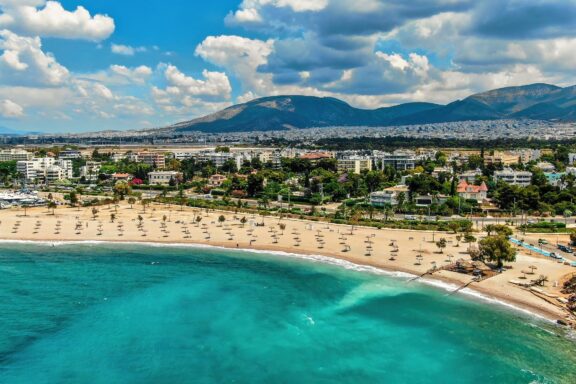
542, 241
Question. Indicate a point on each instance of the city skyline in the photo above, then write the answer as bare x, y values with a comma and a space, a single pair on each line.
95, 65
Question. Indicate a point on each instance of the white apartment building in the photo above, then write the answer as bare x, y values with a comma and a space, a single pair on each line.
15, 155
389, 196
48, 168
355, 164
163, 177
399, 160
219, 158
510, 176
571, 158
91, 170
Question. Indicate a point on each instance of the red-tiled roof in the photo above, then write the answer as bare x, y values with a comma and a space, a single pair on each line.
315, 156
463, 187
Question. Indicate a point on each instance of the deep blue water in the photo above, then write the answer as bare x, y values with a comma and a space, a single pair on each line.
140, 314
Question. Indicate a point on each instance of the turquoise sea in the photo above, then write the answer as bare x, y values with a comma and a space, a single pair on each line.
144, 314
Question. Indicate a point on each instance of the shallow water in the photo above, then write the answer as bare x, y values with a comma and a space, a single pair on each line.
141, 314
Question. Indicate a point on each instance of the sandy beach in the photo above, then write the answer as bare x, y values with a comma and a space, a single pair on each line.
391, 250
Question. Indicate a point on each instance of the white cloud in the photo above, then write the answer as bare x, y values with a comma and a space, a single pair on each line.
188, 96
24, 63
10, 109
126, 50
241, 57
214, 85
137, 75
25, 17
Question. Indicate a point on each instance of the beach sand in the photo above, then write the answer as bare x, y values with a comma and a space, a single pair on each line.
362, 245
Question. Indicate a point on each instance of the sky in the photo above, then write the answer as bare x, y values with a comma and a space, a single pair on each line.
88, 65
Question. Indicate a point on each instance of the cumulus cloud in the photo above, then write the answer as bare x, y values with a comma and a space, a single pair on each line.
24, 63
241, 57
185, 94
50, 19
10, 109
126, 50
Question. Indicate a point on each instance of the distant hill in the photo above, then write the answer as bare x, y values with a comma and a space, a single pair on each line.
534, 101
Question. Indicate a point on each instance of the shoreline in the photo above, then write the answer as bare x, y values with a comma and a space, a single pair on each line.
395, 252
442, 283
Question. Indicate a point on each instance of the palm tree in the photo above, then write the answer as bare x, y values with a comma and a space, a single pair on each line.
243, 221
94, 213
131, 201
112, 217
221, 219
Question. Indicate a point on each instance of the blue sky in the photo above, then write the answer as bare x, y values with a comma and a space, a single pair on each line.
84, 65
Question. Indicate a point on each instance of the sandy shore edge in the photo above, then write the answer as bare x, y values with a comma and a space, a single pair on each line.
475, 292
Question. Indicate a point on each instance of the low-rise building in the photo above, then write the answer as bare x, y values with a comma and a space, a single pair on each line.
470, 176
153, 159
522, 178
399, 160
46, 168
472, 192
389, 196
354, 164
555, 178
91, 170
545, 166
163, 177
15, 155
70, 154
216, 180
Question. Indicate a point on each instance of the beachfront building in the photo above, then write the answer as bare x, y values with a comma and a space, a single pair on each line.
46, 168
153, 159
389, 196
399, 160
164, 177
15, 155
571, 158
467, 191
510, 176
354, 164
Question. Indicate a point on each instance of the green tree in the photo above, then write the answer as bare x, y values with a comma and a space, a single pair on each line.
441, 244
498, 229
497, 249
52, 205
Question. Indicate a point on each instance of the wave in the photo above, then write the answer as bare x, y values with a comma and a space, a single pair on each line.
404, 276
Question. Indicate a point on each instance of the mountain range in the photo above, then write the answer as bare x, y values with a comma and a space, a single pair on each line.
534, 101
